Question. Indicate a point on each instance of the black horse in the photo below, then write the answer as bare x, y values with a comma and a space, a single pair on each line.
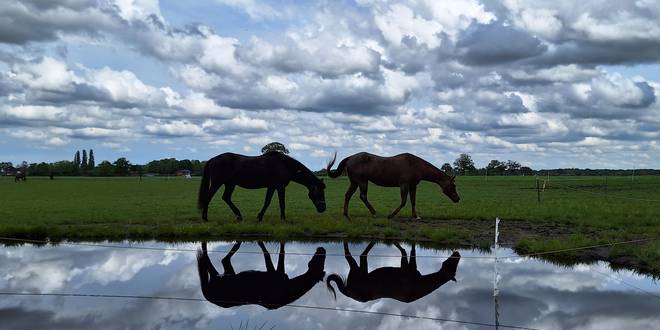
271, 289
273, 170
19, 176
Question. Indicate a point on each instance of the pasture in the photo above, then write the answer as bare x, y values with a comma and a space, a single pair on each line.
574, 211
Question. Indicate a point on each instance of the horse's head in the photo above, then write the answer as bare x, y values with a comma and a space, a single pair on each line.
317, 195
449, 189
316, 266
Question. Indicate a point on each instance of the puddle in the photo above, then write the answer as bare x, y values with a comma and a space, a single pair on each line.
532, 293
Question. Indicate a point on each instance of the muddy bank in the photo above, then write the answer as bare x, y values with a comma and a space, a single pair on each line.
512, 232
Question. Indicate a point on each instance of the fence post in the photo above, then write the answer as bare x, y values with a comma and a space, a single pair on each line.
538, 190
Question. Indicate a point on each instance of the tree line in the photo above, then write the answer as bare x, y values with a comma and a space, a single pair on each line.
84, 164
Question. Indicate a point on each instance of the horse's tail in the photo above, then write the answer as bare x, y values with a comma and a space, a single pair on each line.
338, 281
203, 195
340, 168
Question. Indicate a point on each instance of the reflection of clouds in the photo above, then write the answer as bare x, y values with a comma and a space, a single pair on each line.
533, 293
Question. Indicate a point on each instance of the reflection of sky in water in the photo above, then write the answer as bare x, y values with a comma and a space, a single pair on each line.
532, 293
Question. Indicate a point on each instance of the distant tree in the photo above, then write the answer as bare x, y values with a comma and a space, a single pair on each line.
105, 168
512, 167
464, 164
526, 171
76, 163
6, 167
495, 167
122, 166
91, 163
274, 146
446, 167
24, 165
83, 162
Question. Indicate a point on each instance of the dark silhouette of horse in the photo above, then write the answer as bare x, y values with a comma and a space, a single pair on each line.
403, 283
272, 170
20, 176
404, 171
271, 289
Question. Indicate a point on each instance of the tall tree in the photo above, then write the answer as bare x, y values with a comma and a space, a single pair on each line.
513, 167
122, 166
495, 167
83, 162
464, 164
76, 159
274, 146
91, 163
446, 167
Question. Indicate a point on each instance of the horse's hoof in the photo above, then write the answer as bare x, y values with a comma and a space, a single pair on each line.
239, 218
417, 218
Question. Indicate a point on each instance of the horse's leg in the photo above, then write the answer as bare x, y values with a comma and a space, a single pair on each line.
280, 259
280, 197
269, 196
413, 259
349, 258
363, 196
226, 196
349, 193
413, 195
226, 261
363, 258
214, 189
269, 263
404, 197
404, 256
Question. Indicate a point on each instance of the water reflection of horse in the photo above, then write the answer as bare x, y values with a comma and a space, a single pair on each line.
271, 289
403, 283
19, 176
404, 171
272, 170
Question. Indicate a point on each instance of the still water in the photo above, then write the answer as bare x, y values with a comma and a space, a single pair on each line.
253, 290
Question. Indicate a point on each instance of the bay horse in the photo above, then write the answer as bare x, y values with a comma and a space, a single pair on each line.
19, 176
271, 289
404, 283
272, 170
404, 171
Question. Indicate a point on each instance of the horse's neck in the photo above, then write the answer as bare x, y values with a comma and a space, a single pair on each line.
434, 174
303, 177
301, 284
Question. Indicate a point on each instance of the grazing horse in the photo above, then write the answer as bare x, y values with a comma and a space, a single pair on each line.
271, 289
404, 171
19, 176
272, 170
403, 283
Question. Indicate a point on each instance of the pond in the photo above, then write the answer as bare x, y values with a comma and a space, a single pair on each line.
155, 285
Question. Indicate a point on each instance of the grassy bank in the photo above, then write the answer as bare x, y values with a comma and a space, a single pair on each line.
591, 209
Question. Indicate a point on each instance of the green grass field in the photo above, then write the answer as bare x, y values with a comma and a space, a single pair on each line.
162, 208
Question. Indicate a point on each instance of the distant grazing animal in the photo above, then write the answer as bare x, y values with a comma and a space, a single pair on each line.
271, 289
404, 171
273, 170
403, 283
19, 176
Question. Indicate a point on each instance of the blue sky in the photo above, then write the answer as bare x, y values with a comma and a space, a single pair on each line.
559, 84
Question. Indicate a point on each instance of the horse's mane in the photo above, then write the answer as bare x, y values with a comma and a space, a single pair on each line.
297, 165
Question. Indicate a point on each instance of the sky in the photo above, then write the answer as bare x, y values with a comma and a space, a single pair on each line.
547, 83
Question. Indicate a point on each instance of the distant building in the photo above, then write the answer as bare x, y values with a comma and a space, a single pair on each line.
185, 173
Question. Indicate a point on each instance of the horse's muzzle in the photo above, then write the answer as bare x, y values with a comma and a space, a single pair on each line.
320, 207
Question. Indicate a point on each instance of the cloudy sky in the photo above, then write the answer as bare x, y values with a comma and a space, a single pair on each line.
547, 83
